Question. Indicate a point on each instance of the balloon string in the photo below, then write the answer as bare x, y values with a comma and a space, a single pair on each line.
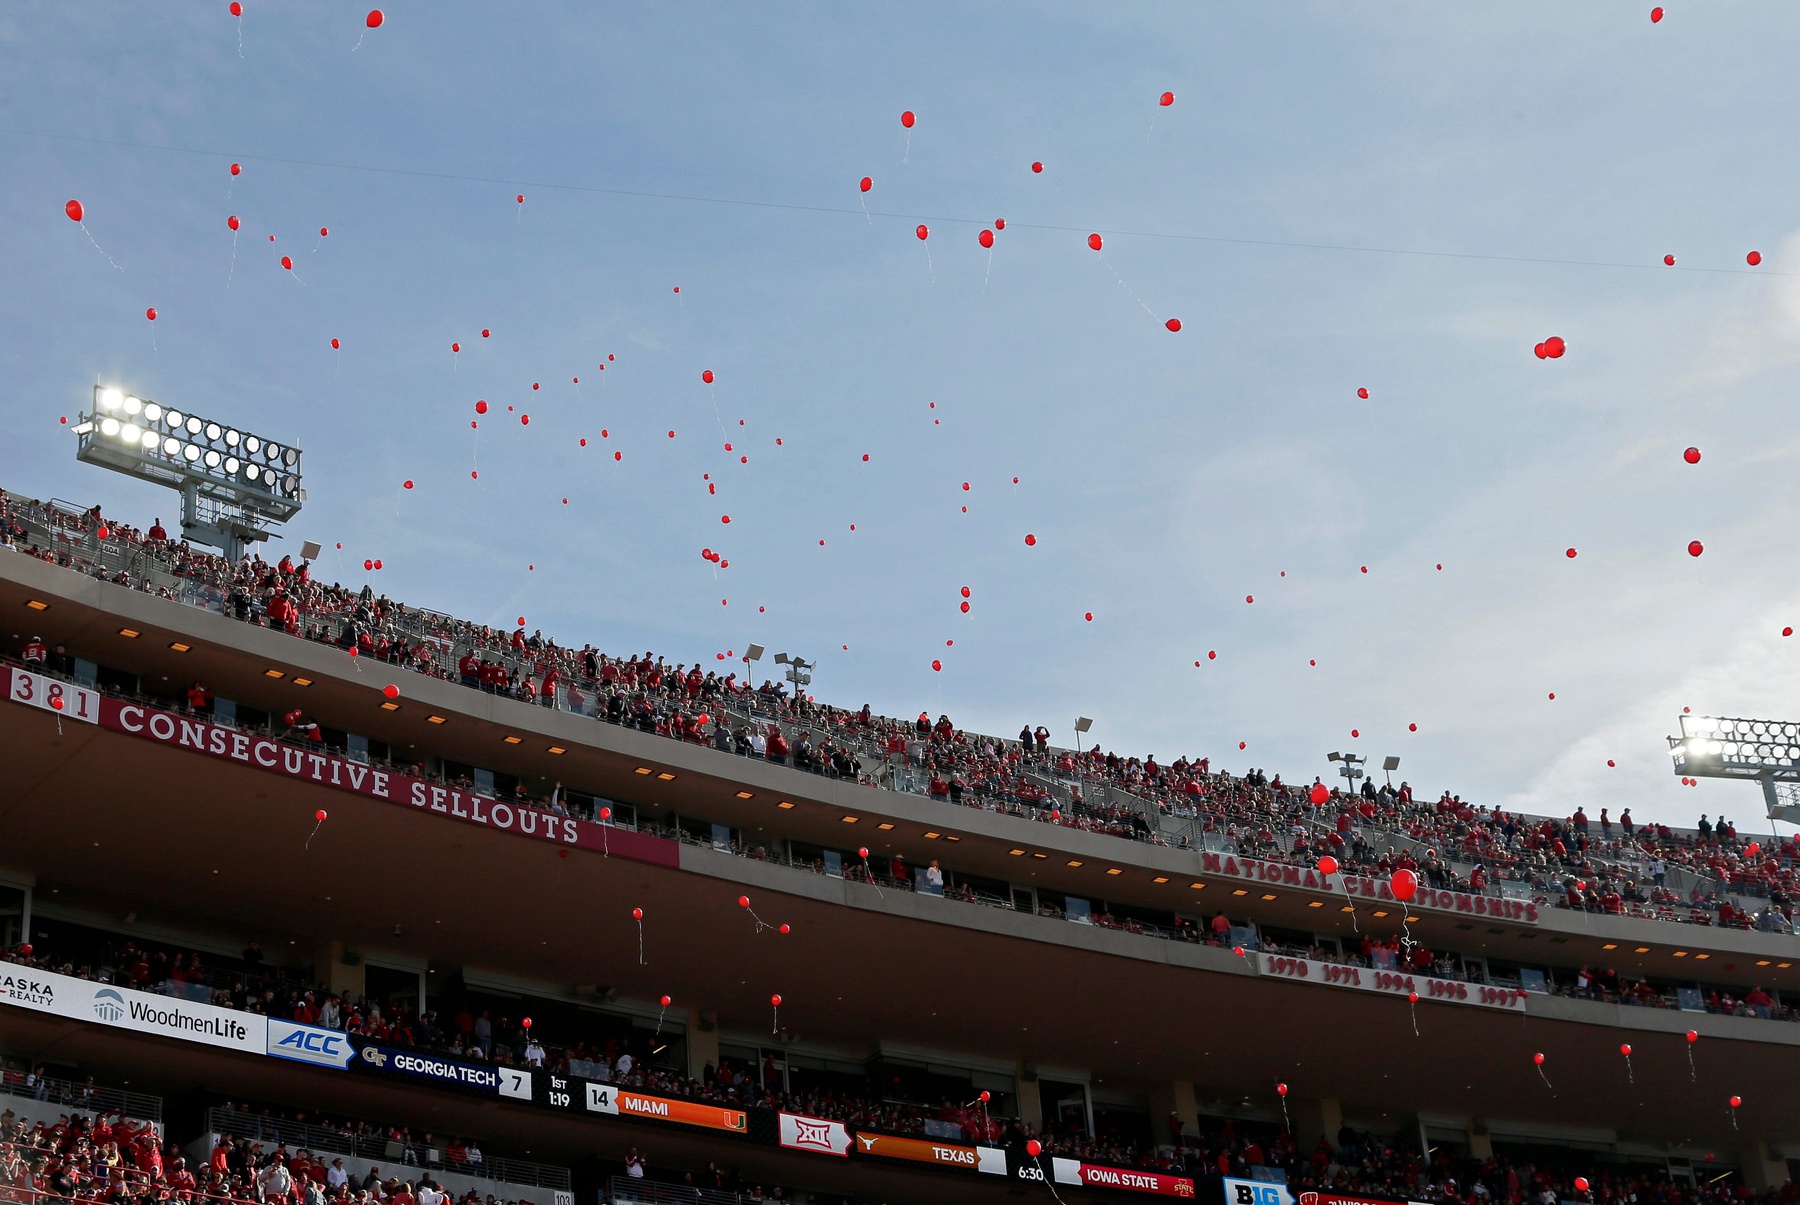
661, 1013
240, 37
865, 208
775, 1022
98, 247
1414, 1006
1692, 1077
640, 926
871, 873
760, 923
928, 266
311, 835
1126, 287
907, 157
359, 38
1546, 1079
1286, 1121
233, 270
1049, 1180
1344, 882
153, 348
990, 271
1629, 1077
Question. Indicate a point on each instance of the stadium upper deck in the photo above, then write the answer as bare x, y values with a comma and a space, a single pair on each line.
220, 806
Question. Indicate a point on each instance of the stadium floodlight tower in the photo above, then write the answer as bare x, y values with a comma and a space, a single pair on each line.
233, 484
1761, 751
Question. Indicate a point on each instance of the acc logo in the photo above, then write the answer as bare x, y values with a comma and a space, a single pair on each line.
308, 1044
109, 1006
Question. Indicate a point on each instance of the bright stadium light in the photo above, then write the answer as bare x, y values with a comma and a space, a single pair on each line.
233, 485
1761, 751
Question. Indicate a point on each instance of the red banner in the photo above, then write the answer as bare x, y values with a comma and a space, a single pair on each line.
1127, 1179
340, 773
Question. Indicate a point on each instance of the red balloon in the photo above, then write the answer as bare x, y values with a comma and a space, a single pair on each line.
1412, 727
784, 930
1695, 548
1281, 1089
232, 221
1669, 260
237, 10
724, 518
707, 376
1735, 1101
1538, 351
1034, 1148
1090, 617
1249, 598
621, 456
150, 313
236, 170
638, 914
985, 238
1581, 1184
1173, 324
1212, 655
525, 1022
524, 420
1167, 99
862, 851
391, 691
374, 19
865, 461
324, 231
102, 531
1655, 15
368, 564
56, 704
1693, 1035
1625, 1049
481, 407
1037, 167
319, 815
25, 949
1319, 793
1328, 865
866, 184
907, 119
1787, 631
1754, 258
287, 261
1570, 553
1538, 1059
1362, 393
775, 1000
743, 901
1094, 241
984, 1096
521, 198
1692, 455
1404, 884
924, 232
406, 484
1030, 541
999, 223
334, 343
1554, 347
965, 592
937, 667
74, 210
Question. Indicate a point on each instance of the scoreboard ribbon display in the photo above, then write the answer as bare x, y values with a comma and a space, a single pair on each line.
618, 1102
962, 1156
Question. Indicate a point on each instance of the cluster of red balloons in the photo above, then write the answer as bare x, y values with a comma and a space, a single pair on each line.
1551, 348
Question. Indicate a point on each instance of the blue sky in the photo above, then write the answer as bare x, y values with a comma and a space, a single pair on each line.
1547, 155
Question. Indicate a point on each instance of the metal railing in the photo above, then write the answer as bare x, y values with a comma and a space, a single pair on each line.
322, 1140
632, 1190
136, 1105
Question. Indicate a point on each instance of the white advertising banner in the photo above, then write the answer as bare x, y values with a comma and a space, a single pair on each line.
1256, 1192
815, 1134
141, 1012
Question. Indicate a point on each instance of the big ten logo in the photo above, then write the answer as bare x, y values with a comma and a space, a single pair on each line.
1256, 1194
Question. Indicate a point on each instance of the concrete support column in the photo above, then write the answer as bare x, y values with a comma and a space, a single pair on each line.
1316, 1121
702, 1042
1762, 1171
1177, 1100
330, 969
1031, 1105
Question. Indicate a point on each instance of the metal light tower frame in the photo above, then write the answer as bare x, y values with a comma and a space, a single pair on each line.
233, 485
1766, 752
797, 673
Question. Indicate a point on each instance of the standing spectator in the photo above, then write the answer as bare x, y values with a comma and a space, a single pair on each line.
634, 1164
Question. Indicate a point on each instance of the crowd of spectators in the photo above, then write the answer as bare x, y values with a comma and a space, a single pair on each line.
1602, 865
